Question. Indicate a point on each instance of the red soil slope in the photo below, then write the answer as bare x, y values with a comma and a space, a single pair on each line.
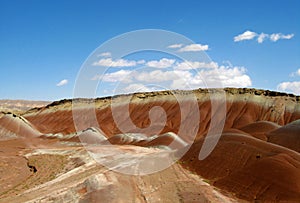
260, 129
287, 136
249, 168
242, 108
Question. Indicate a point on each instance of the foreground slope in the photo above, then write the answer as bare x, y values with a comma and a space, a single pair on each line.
250, 168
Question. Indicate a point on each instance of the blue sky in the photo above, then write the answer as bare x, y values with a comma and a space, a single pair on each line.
44, 43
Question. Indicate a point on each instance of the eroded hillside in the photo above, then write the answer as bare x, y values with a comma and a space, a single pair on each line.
44, 158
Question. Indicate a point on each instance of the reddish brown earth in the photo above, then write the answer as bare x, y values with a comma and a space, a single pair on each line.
256, 160
249, 168
260, 129
287, 136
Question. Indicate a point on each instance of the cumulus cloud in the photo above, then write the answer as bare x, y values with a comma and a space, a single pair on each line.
223, 76
193, 47
175, 46
108, 62
162, 63
189, 65
126, 76
229, 77
289, 36
136, 87
155, 76
277, 36
189, 48
220, 76
293, 87
105, 54
262, 37
294, 74
228, 63
249, 35
168, 73
62, 83
117, 76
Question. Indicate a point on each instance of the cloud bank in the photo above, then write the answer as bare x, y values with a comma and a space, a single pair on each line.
172, 74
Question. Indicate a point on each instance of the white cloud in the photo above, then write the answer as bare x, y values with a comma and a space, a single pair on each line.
289, 36
274, 37
229, 77
121, 75
155, 76
162, 63
262, 37
277, 36
126, 76
193, 47
105, 54
294, 74
189, 65
183, 75
141, 62
229, 64
293, 87
221, 77
62, 82
136, 87
175, 46
247, 35
108, 62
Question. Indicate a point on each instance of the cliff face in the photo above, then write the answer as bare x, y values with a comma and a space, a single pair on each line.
256, 158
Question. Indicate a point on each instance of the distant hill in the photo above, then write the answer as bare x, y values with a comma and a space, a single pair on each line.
16, 106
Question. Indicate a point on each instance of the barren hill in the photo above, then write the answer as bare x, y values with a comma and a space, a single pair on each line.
44, 158
18, 106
